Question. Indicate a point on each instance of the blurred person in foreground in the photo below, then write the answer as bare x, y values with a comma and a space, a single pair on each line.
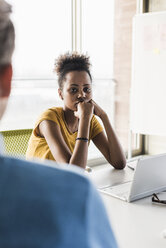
43, 205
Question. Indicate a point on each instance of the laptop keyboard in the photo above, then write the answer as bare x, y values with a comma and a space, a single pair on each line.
121, 190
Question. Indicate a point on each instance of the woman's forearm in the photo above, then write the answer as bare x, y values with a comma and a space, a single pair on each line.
80, 153
116, 154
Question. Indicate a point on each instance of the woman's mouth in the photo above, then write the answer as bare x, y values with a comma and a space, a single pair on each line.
81, 100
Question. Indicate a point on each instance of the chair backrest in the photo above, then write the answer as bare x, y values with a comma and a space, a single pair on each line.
16, 142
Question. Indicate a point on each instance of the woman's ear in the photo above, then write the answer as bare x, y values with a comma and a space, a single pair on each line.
5, 80
60, 93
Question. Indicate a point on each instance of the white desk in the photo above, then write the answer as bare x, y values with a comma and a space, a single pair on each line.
138, 224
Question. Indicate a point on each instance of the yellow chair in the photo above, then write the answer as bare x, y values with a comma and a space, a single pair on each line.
16, 142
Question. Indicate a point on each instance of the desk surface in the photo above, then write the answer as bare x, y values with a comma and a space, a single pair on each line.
138, 224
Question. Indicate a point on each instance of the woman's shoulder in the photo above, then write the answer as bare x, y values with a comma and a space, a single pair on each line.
52, 112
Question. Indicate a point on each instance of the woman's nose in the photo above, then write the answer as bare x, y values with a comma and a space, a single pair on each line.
81, 94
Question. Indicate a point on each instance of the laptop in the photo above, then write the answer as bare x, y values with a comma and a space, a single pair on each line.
149, 177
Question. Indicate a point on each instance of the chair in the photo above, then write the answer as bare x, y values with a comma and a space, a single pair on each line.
16, 142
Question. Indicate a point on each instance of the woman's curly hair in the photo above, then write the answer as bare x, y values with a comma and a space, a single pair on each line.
71, 62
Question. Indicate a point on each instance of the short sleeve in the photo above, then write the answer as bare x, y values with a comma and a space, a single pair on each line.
95, 128
50, 115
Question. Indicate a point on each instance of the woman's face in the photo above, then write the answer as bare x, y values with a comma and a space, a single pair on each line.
76, 88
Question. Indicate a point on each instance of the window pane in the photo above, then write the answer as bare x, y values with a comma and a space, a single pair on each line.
27, 101
43, 31
97, 35
97, 41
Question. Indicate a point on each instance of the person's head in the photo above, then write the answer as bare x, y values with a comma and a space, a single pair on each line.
74, 79
7, 37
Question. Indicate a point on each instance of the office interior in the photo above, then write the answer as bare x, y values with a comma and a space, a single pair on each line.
103, 29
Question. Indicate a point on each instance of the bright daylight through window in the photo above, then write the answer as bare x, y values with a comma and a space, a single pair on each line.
42, 34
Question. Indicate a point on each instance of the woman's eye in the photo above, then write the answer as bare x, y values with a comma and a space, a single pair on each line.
73, 90
86, 89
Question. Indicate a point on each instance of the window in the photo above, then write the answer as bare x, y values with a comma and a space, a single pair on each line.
95, 36
45, 29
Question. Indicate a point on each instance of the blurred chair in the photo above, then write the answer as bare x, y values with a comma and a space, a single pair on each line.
16, 142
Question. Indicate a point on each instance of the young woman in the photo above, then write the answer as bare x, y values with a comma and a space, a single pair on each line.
63, 134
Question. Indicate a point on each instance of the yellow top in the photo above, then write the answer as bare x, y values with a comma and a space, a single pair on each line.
38, 146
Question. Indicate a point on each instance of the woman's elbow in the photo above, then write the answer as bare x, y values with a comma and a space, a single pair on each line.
119, 165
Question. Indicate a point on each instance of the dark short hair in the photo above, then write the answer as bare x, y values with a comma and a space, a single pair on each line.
7, 34
71, 62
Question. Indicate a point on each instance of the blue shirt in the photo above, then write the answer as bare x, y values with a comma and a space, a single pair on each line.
50, 207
